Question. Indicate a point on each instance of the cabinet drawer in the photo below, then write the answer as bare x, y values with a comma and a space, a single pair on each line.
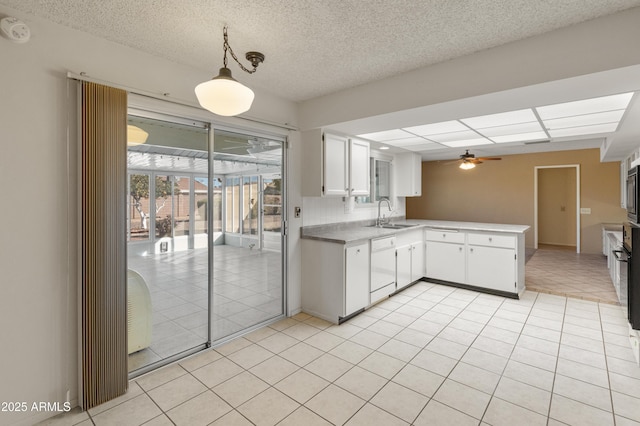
492, 240
445, 236
383, 243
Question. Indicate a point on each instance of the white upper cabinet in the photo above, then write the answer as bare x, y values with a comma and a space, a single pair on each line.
334, 165
408, 171
359, 170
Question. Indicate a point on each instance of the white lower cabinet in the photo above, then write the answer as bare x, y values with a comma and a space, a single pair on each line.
492, 267
409, 264
335, 281
493, 261
356, 286
446, 261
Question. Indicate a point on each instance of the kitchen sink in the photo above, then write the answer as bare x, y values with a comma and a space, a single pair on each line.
394, 226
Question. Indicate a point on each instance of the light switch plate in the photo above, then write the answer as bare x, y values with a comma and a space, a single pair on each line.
585, 210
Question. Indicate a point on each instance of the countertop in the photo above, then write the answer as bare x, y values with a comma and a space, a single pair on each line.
346, 233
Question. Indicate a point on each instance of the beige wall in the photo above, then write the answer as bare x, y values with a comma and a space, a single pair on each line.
503, 192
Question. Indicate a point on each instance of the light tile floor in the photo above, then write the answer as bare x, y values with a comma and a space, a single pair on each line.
247, 287
431, 355
562, 271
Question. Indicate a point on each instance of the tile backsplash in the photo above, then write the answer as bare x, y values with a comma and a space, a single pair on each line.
324, 210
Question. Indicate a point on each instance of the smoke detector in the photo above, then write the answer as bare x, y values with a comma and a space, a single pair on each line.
14, 30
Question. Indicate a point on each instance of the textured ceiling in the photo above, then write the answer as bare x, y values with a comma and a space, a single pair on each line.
317, 47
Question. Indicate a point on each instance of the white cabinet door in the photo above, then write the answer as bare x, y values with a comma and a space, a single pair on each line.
492, 267
404, 271
445, 261
335, 166
408, 171
359, 170
356, 278
417, 260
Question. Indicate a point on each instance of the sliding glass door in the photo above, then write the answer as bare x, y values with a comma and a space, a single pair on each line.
248, 286
205, 236
167, 242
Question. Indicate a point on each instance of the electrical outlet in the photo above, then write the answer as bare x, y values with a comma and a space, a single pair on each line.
297, 211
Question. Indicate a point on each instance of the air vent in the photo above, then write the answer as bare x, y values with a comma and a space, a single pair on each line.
537, 142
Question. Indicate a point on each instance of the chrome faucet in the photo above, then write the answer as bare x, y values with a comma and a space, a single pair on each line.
379, 221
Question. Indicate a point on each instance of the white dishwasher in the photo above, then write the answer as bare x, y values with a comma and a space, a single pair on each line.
383, 267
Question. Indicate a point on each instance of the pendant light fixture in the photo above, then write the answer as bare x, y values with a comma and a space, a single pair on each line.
224, 95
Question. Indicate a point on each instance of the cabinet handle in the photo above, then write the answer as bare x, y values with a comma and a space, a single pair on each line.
444, 235
471, 250
358, 251
459, 248
490, 239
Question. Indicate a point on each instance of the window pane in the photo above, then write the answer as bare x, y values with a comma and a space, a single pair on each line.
250, 205
272, 204
200, 193
382, 179
138, 207
233, 205
163, 191
181, 205
217, 205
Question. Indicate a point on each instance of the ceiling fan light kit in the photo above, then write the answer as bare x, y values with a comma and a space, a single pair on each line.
224, 95
466, 165
468, 161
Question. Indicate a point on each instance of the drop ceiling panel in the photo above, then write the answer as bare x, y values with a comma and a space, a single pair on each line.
513, 129
501, 119
467, 143
583, 130
520, 137
437, 128
587, 106
585, 120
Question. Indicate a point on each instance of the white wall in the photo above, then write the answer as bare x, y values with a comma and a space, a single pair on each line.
38, 255
325, 210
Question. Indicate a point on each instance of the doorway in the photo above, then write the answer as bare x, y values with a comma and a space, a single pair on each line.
557, 206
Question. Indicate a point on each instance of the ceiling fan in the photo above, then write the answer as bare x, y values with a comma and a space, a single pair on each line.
469, 161
250, 146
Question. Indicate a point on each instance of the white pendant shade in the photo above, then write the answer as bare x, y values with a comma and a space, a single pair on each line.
224, 95
135, 135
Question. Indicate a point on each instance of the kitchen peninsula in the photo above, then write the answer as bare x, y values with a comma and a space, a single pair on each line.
349, 267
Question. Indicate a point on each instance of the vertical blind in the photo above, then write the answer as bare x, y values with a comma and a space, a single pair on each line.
103, 246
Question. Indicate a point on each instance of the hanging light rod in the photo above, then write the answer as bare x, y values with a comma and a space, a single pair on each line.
224, 95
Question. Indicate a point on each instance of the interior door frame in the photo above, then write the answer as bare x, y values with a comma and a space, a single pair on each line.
535, 200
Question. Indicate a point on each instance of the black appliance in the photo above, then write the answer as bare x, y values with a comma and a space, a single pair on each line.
630, 239
633, 189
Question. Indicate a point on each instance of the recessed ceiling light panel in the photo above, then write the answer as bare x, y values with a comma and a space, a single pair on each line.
584, 130
437, 128
407, 141
386, 135
520, 137
585, 120
586, 106
424, 147
512, 129
468, 142
454, 136
501, 119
